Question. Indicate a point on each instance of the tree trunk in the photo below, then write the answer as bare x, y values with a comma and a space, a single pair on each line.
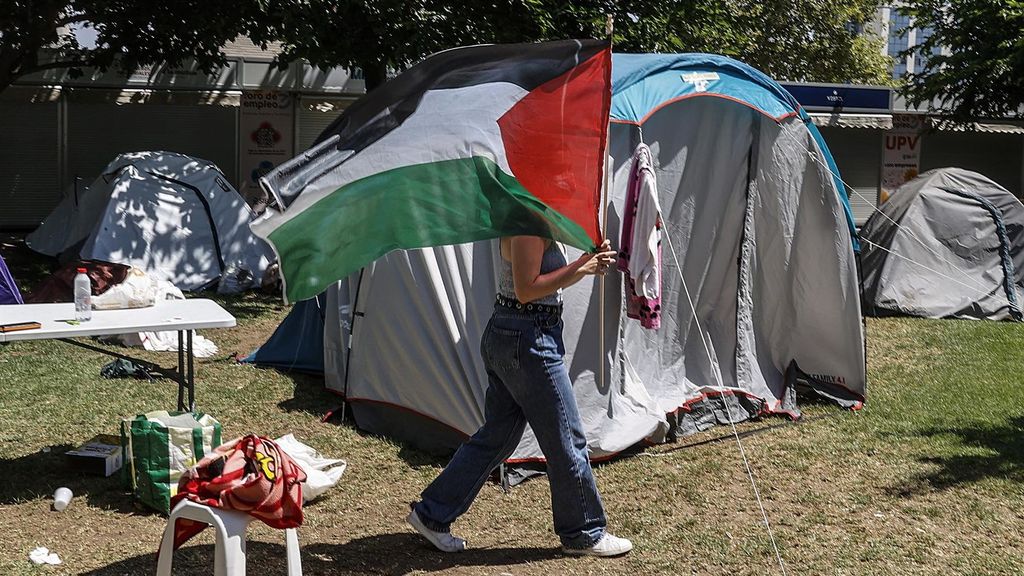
374, 74
9, 64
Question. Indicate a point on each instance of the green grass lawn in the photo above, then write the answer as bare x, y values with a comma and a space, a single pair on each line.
927, 479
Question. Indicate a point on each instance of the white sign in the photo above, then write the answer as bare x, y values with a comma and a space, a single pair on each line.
700, 80
902, 153
265, 136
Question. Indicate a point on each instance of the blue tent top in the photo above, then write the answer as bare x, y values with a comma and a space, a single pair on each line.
298, 343
644, 83
9, 293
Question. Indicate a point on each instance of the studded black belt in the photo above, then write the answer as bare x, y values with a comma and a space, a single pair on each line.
530, 307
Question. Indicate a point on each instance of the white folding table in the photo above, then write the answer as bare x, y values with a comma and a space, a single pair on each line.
183, 316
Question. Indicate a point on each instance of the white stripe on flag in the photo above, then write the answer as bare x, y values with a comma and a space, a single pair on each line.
450, 124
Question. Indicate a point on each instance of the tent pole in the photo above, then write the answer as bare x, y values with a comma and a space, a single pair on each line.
348, 353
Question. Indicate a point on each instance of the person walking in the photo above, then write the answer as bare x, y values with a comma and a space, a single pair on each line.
522, 351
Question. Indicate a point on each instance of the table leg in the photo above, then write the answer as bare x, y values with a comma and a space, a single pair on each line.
181, 371
191, 376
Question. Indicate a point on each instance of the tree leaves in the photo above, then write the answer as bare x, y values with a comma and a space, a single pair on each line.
788, 39
972, 64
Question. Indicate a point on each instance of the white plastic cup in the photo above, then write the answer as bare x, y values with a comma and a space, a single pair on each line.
61, 498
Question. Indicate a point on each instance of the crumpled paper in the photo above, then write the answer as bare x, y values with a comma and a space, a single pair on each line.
43, 556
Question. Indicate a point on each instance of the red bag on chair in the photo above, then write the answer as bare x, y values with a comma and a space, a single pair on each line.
249, 474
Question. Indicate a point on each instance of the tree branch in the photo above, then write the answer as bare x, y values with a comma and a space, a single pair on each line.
72, 19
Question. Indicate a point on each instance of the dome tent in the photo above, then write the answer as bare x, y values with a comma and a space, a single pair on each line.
947, 244
173, 216
761, 226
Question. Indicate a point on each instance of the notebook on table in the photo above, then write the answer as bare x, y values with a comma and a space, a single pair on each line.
18, 326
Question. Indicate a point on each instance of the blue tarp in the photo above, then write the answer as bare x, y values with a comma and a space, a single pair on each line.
9, 293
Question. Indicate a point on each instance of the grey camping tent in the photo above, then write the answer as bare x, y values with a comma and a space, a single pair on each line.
172, 215
947, 244
756, 216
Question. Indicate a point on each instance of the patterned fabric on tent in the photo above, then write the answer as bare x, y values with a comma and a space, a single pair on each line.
9, 293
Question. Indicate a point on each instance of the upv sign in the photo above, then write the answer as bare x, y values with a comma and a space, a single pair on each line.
902, 153
904, 145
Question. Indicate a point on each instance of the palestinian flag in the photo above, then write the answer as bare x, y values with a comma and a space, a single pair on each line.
470, 144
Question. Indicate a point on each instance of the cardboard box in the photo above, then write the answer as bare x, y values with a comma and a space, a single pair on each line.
101, 455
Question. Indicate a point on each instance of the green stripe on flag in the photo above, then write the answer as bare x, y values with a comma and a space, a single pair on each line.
435, 204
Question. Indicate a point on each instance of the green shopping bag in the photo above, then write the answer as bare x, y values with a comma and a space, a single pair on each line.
158, 447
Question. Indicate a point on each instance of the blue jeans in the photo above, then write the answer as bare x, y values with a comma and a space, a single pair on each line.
522, 352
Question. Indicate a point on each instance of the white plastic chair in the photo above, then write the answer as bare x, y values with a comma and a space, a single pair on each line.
230, 527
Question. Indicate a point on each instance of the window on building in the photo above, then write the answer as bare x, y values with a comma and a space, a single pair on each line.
920, 57
899, 36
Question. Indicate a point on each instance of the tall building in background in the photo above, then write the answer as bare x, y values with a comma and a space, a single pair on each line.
901, 35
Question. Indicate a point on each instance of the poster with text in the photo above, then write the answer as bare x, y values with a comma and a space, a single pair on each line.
902, 155
265, 138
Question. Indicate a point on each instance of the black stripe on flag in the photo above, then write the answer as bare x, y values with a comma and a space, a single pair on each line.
526, 65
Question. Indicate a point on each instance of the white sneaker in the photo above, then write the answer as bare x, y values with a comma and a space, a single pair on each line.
443, 541
608, 545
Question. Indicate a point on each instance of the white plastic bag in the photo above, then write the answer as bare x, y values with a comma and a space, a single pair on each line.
137, 291
319, 472
167, 340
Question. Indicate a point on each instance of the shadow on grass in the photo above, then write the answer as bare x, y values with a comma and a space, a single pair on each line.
310, 395
1004, 457
382, 554
37, 475
244, 306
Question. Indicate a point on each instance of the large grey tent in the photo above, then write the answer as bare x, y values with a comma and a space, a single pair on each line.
947, 244
754, 213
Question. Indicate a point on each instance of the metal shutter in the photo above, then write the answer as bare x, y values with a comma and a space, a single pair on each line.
858, 153
997, 156
29, 162
99, 131
315, 114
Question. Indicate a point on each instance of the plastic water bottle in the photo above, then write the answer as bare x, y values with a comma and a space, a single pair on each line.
83, 296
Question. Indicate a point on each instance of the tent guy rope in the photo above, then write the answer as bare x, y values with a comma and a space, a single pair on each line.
977, 288
721, 385
978, 291
875, 208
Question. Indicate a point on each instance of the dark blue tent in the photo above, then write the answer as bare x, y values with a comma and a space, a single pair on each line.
9, 293
298, 343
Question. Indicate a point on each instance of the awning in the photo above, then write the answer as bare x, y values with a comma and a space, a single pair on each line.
950, 126
850, 120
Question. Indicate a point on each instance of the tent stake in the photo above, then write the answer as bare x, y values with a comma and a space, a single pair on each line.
503, 477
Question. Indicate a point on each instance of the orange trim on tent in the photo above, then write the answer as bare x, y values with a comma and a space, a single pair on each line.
722, 96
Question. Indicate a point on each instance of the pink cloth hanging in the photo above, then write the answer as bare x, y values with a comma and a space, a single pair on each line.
640, 244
